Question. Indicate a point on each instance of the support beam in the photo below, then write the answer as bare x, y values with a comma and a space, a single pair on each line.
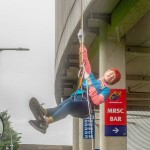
71, 56
138, 108
136, 54
136, 99
75, 65
137, 49
138, 96
70, 86
126, 15
141, 103
69, 81
138, 78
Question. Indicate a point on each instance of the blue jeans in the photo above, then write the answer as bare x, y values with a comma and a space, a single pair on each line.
77, 106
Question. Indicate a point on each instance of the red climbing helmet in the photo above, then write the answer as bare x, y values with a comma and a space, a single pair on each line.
118, 75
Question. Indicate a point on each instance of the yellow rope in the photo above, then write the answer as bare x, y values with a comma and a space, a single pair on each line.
80, 75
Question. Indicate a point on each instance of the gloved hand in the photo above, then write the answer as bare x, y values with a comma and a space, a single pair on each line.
88, 79
81, 36
86, 75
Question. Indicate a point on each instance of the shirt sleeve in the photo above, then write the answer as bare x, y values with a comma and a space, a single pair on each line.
98, 98
87, 66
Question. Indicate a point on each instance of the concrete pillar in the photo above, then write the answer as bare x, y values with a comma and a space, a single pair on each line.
97, 129
112, 54
84, 144
116, 58
75, 133
102, 69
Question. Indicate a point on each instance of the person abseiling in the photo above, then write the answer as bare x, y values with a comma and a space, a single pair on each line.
77, 104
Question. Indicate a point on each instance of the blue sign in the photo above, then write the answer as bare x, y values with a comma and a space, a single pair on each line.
115, 130
89, 127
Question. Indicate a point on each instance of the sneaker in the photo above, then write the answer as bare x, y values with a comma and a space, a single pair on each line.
37, 109
42, 109
39, 125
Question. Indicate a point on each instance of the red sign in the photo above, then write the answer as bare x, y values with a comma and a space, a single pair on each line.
115, 108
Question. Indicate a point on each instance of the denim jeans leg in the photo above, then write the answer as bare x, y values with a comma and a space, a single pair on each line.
51, 111
75, 107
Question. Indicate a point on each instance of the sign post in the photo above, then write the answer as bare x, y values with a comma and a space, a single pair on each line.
115, 113
89, 127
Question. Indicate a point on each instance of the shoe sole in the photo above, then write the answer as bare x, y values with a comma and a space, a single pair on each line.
36, 127
35, 108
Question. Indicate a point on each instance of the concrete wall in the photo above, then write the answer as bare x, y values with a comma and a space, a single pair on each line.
68, 13
44, 147
63, 9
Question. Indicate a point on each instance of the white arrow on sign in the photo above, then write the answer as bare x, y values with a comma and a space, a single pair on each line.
116, 130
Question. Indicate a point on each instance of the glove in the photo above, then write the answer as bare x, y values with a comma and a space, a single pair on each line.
88, 79
86, 75
81, 36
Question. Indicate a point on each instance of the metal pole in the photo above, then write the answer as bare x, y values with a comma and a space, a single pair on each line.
17, 49
11, 146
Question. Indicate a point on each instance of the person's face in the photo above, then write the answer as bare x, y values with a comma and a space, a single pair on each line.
109, 76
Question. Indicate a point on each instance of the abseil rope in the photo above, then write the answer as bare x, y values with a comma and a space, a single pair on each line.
90, 111
80, 74
81, 71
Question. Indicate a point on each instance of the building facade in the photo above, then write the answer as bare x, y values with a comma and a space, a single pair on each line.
116, 35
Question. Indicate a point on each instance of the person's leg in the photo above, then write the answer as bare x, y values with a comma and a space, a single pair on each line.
51, 111
81, 107
41, 125
77, 108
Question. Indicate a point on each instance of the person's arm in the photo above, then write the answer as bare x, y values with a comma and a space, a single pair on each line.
85, 60
98, 98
